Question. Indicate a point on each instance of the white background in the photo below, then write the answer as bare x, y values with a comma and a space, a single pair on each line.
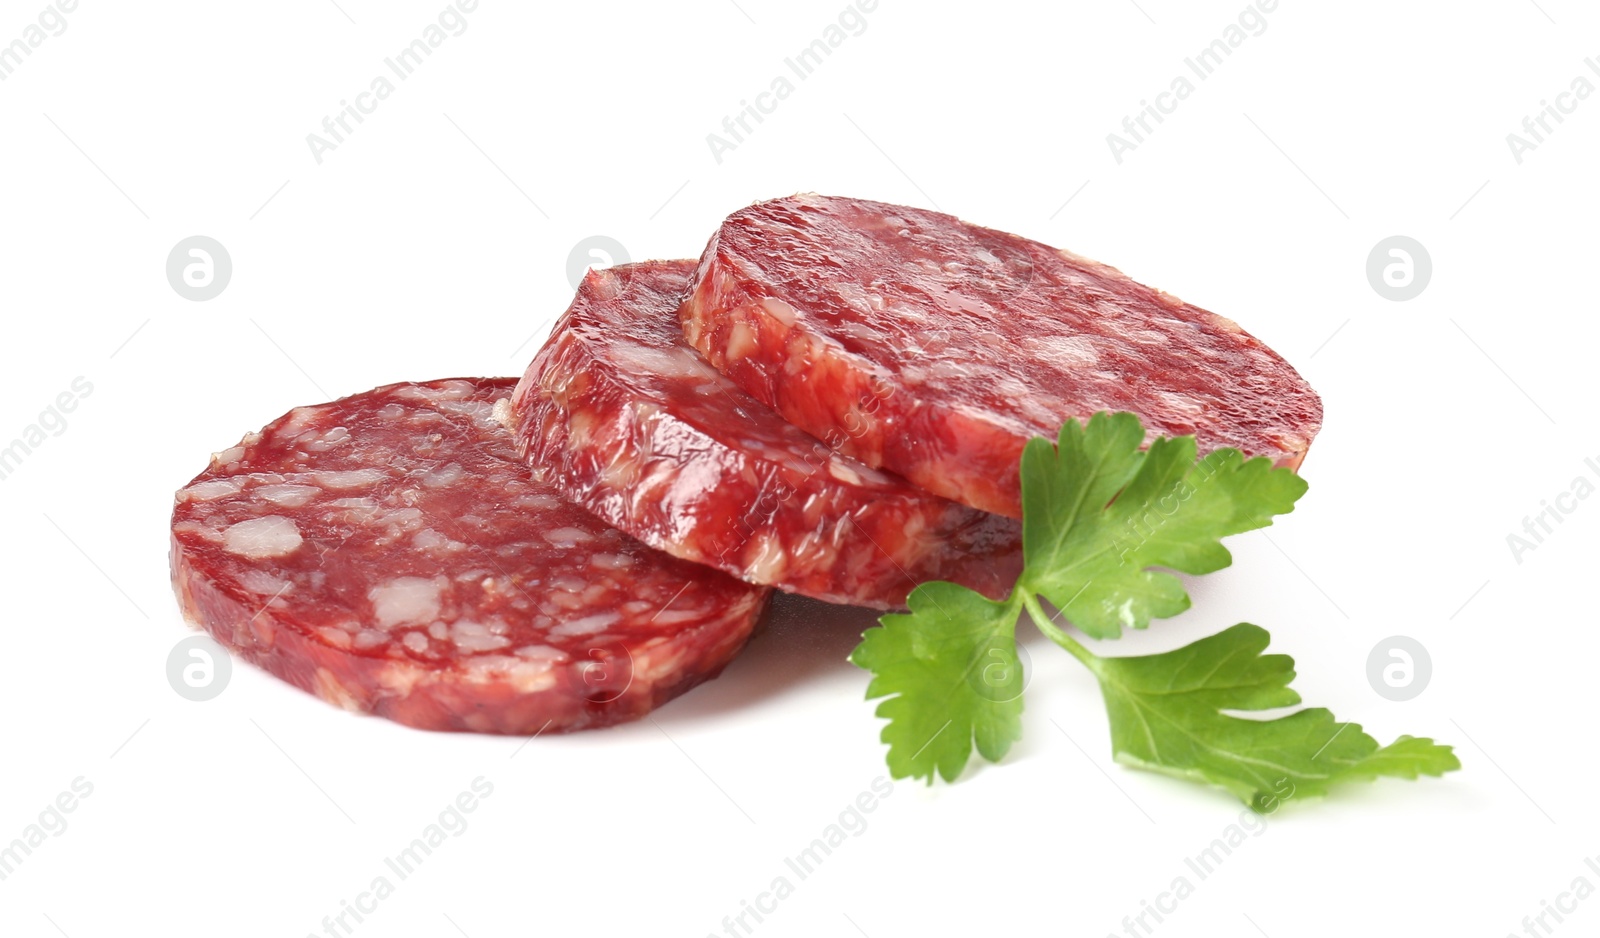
434, 243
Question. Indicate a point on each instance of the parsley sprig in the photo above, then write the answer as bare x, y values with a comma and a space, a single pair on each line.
1101, 512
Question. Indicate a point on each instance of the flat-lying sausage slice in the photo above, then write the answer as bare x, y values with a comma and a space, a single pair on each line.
391, 554
946, 346
639, 429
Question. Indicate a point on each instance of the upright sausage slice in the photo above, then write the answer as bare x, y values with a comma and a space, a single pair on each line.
944, 346
639, 429
390, 553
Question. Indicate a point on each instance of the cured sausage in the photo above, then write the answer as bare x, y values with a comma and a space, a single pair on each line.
639, 429
945, 346
390, 553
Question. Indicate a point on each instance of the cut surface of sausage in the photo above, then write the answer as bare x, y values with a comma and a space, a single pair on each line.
390, 553
641, 430
947, 346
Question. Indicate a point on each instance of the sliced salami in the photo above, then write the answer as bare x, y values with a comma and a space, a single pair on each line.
943, 347
639, 429
390, 553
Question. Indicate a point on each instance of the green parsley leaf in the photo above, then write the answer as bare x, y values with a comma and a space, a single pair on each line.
1099, 514
1097, 511
1091, 559
1167, 716
951, 663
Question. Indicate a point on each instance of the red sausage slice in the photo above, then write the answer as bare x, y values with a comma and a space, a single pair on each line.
390, 553
946, 346
639, 429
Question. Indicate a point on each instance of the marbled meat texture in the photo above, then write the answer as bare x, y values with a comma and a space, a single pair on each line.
944, 346
641, 430
390, 553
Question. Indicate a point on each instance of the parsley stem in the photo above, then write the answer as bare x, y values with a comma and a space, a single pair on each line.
1036, 612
